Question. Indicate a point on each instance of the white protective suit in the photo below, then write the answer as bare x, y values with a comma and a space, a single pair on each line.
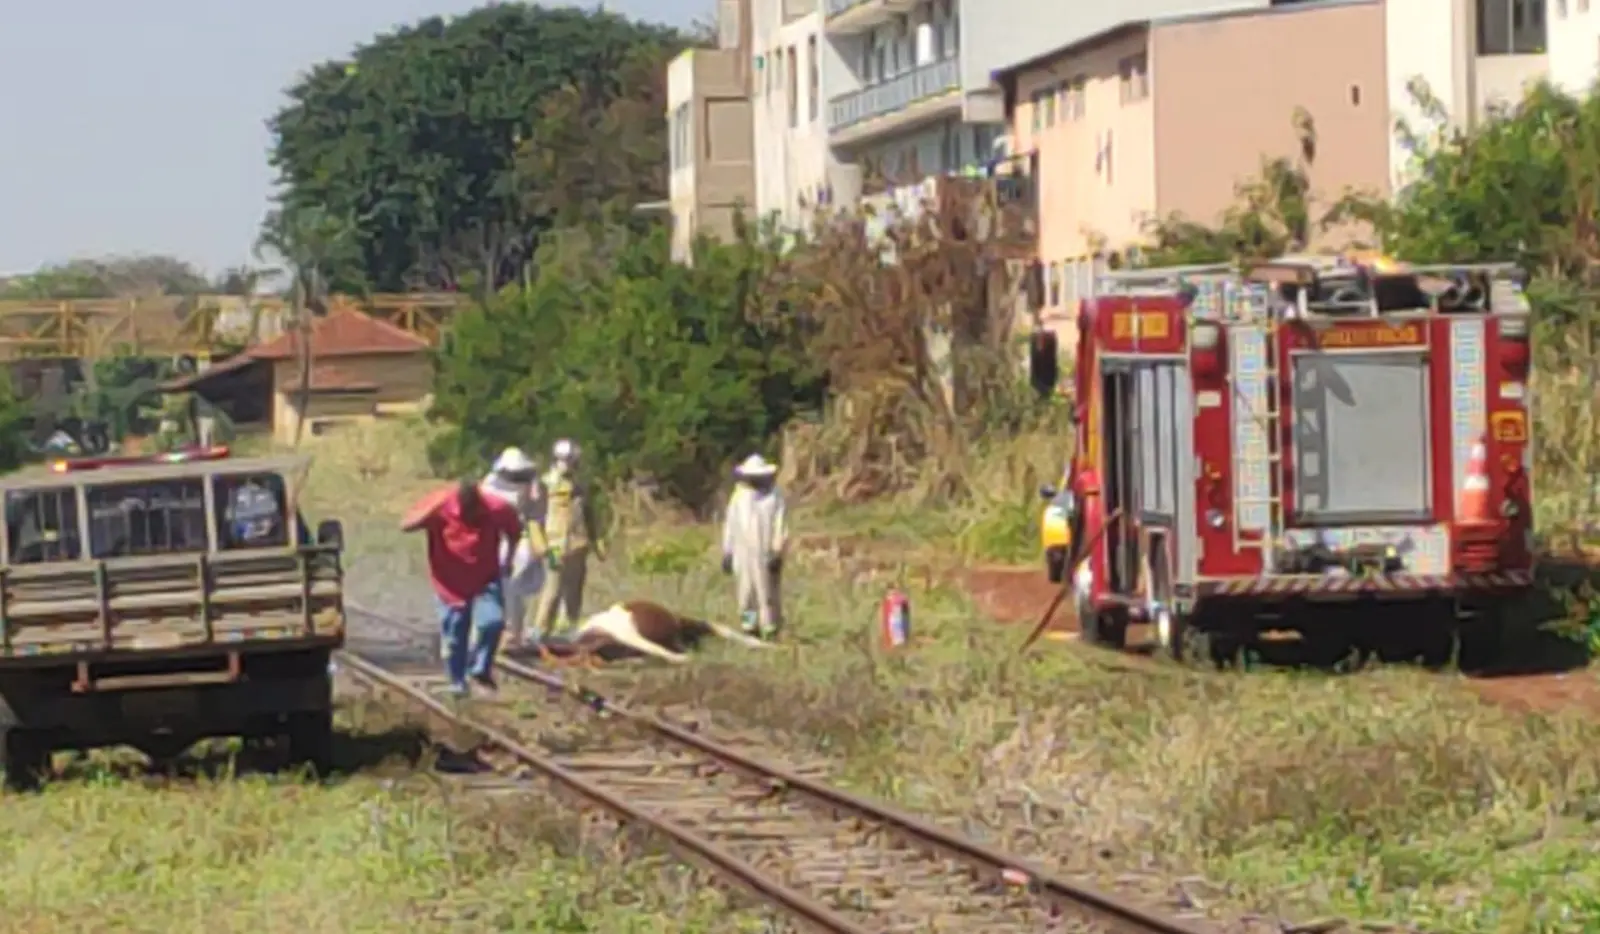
526, 578
754, 536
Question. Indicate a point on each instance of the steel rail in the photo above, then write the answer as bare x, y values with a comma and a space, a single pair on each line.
686, 844
1066, 897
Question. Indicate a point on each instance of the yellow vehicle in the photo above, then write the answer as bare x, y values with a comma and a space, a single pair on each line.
1055, 530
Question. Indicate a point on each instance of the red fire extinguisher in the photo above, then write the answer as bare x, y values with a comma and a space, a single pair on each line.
894, 619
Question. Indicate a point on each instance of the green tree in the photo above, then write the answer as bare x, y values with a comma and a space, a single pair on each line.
664, 372
416, 139
13, 427
109, 277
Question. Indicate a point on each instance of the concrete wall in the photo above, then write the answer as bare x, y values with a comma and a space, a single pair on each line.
1219, 93
1574, 43
710, 136
1097, 178
1329, 60
1000, 34
789, 101
404, 381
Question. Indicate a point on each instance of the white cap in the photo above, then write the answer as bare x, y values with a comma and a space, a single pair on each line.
755, 466
513, 460
564, 450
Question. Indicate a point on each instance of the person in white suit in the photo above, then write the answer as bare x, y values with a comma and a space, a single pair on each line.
755, 534
514, 480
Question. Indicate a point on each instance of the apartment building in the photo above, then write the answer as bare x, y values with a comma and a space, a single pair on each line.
795, 167
1470, 55
1574, 44
1167, 114
904, 102
711, 144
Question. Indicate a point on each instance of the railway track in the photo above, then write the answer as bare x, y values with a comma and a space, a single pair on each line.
830, 860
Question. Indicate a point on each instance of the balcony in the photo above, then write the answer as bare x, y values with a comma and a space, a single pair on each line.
845, 17
911, 98
1000, 210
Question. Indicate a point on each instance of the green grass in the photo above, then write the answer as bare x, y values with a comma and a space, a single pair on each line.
1389, 795
392, 848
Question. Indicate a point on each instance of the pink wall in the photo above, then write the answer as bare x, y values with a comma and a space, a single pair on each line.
1226, 93
1096, 161
1222, 92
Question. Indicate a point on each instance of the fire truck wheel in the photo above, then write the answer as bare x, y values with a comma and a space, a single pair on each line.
1168, 628
1481, 640
1105, 628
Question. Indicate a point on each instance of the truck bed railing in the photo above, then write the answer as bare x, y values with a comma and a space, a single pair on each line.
169, 602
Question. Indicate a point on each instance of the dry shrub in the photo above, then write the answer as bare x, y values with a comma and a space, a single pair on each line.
915, 314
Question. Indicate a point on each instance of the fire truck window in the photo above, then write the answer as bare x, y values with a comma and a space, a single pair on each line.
42, 526
154, 518
252, 511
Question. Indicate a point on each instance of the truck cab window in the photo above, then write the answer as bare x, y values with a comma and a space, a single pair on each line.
151, 518
42, 525
252, 511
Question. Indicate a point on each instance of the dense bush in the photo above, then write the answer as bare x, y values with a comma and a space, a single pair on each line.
663, 372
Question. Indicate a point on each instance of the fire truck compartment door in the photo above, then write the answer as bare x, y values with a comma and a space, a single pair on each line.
1361, 451
1165, 453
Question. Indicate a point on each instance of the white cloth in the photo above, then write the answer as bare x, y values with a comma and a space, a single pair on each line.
754, 532
526, 576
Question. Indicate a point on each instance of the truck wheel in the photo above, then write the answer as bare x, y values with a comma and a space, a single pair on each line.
1481, 640
1170, 636
310, 738
26, 759
1105, 627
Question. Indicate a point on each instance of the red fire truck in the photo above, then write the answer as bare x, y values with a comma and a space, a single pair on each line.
1336, 447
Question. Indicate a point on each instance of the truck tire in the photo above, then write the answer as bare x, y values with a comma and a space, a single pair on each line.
1481, 640
1108, 628
310, 740
26, 759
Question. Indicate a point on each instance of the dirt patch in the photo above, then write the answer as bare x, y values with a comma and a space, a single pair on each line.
1543, 693
1014, 595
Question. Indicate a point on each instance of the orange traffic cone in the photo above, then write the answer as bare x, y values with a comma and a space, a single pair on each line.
1473, 505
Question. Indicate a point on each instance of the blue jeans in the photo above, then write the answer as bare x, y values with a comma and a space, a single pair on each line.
471, 635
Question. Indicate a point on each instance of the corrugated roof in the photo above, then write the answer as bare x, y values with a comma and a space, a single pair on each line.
343, 332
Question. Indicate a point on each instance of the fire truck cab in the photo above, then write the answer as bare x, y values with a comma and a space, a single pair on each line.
1333, 446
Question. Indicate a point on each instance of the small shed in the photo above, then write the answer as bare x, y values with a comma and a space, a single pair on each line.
362, 368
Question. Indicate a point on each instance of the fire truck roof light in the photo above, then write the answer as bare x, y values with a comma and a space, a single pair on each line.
1206, 335
218, 452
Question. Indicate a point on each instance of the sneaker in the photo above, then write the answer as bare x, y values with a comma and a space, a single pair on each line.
748, 622
459, 691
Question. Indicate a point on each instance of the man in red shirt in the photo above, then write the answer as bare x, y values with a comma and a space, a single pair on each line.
465, 531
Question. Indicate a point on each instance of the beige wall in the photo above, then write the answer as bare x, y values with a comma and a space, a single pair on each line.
1222, 94
1097, 176
1215, 124
404, 383
710, 129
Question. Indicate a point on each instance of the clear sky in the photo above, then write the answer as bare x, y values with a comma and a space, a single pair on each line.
139, 127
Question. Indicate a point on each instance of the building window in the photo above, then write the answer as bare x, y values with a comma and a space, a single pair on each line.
1049, 107
1134, 72
813, 81
1561, 9
1075, 98
1055, 285
1104, 157
1036, 104
794, 90
1512, 27
682, 134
